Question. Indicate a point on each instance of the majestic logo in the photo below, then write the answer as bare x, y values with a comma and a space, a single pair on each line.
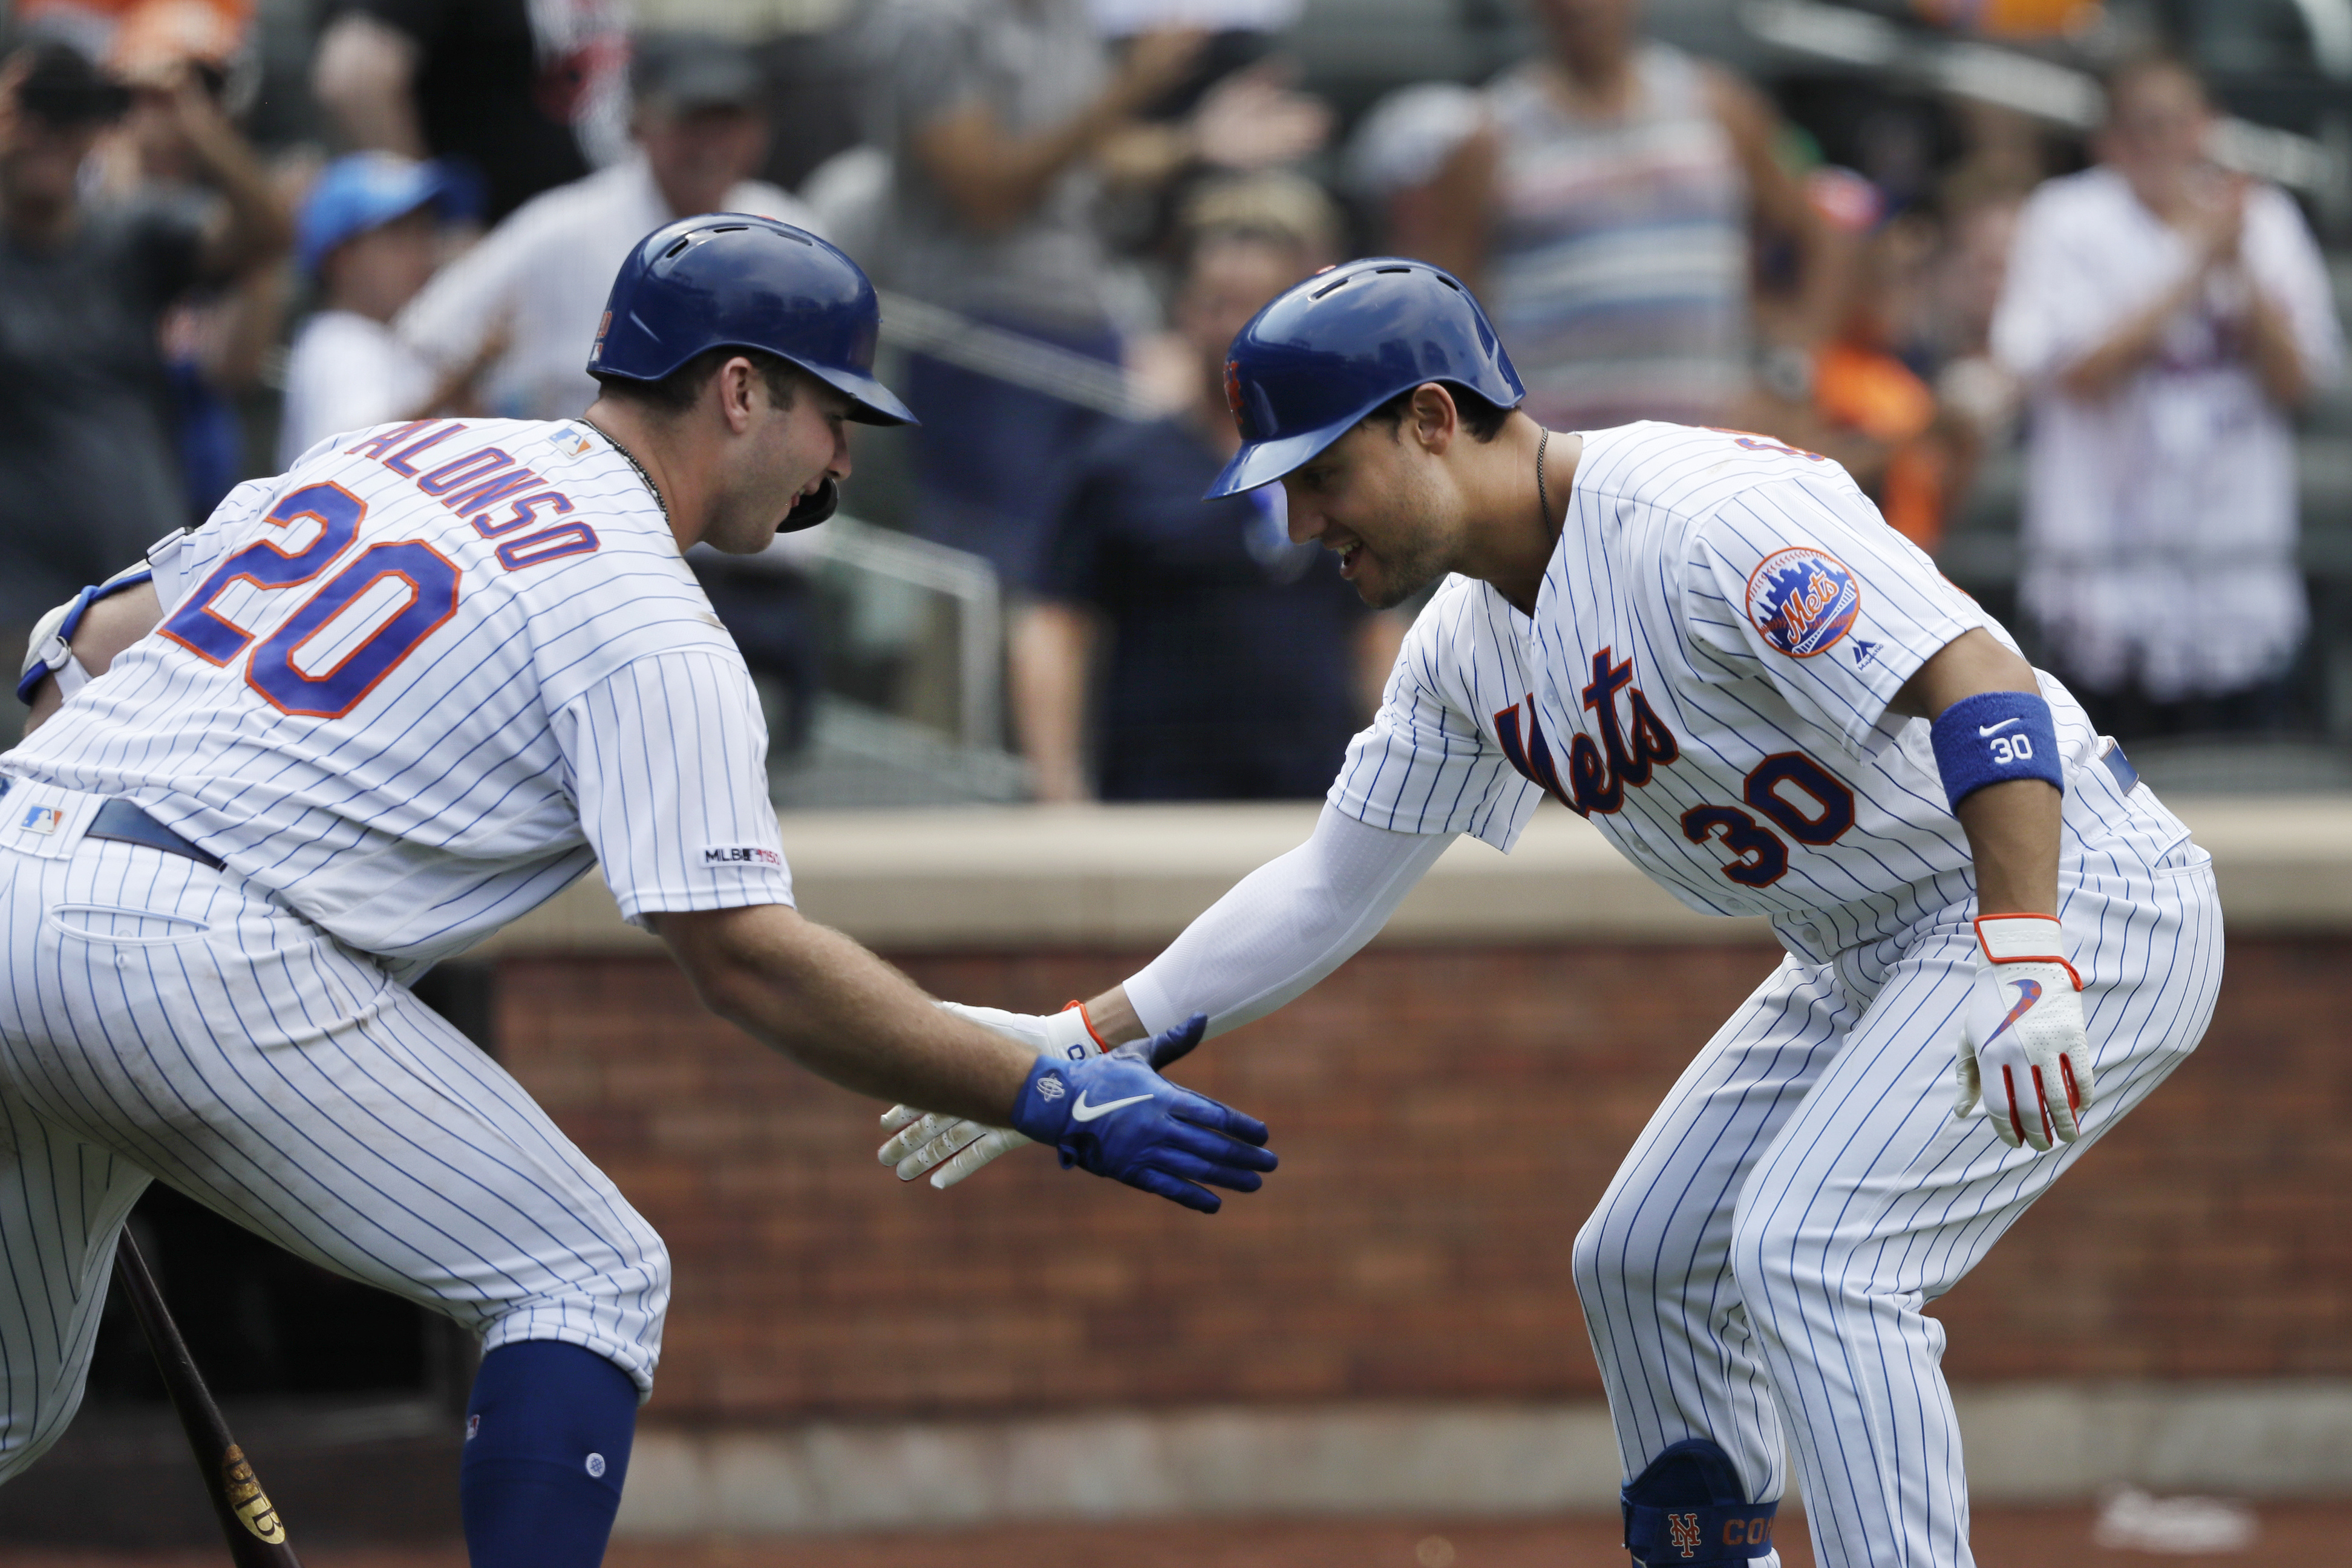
1082, 1111
2029, 992
1803, 600
1682, 1532
1598, 773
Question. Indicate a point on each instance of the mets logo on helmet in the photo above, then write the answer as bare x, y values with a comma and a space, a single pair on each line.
1803, 600
1233, 398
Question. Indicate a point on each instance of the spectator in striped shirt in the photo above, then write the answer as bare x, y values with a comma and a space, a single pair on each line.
1601, 208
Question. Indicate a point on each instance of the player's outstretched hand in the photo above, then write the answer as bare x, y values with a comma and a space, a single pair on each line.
2022, 1046
1116, 1117
949, 1148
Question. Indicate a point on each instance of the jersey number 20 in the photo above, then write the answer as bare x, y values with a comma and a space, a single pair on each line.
402, 592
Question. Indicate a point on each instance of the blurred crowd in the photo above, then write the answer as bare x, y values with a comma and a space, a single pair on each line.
229, 232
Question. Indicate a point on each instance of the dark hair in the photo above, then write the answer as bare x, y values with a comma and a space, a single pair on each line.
64, 88
1481, 420
681, 388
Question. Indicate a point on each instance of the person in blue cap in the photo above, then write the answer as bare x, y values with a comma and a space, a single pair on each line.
1710, 646
374, 709
369, 236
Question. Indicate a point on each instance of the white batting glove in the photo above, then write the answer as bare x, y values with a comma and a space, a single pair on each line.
949, 1148
2022, 1046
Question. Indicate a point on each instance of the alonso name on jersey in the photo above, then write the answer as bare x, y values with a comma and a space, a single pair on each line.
424, 680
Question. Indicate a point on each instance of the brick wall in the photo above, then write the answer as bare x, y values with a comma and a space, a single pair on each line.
1446, 1116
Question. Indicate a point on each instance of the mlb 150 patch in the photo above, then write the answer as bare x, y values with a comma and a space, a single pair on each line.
1803, 600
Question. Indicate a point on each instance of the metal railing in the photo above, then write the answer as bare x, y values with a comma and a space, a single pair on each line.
967, 579
917, 327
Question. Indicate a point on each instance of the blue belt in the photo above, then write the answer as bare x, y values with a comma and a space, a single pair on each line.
125, 822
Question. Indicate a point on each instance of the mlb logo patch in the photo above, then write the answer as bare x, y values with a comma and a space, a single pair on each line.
43, 819
739, 855
1803, 600
570, 442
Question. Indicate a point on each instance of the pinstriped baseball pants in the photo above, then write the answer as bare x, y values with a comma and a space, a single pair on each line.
162, 1020
1757, 1270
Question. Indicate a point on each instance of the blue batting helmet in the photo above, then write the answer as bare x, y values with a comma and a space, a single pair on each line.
1330, 350
734, 280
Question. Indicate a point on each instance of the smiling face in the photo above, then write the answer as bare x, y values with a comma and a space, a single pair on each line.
1385, 498
782, 454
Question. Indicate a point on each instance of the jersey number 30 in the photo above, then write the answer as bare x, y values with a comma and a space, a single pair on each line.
349, 634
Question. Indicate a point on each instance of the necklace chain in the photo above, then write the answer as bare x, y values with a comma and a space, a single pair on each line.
630, 458
1543, 496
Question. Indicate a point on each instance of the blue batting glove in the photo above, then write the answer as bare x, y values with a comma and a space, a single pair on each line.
1114, 1115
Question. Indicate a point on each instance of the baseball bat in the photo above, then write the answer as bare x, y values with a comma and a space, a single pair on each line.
256, 1536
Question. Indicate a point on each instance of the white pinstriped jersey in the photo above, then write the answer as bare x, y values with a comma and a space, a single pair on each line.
420, 682
1706, 678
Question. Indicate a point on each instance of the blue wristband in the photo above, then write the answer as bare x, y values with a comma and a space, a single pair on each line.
40, 670
1993, 737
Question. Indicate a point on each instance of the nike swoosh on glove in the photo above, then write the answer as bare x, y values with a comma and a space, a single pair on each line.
2022, 1046
1114, 1115
950, 1148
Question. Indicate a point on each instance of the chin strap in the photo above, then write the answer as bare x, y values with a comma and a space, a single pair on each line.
810, 510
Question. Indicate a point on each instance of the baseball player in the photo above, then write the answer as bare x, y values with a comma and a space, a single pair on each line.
373, 710
1710, 647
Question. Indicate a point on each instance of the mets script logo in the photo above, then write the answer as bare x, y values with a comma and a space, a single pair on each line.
1630, 748
1803, 600
1682, 1531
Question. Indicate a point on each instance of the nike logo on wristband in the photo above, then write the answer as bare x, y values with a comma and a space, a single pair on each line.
1082, 1111
1997, 729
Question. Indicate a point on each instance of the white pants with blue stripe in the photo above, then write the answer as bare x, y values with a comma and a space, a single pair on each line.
163, 1020
1757, 1270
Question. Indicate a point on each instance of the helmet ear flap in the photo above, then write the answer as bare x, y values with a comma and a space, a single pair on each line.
812, 509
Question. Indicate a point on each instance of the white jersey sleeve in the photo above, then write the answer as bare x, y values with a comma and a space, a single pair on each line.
1800, 582
1427, 764
187, 556
666, 758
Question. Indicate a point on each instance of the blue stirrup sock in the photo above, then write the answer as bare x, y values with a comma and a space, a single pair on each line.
1689, 1507
547, 1447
